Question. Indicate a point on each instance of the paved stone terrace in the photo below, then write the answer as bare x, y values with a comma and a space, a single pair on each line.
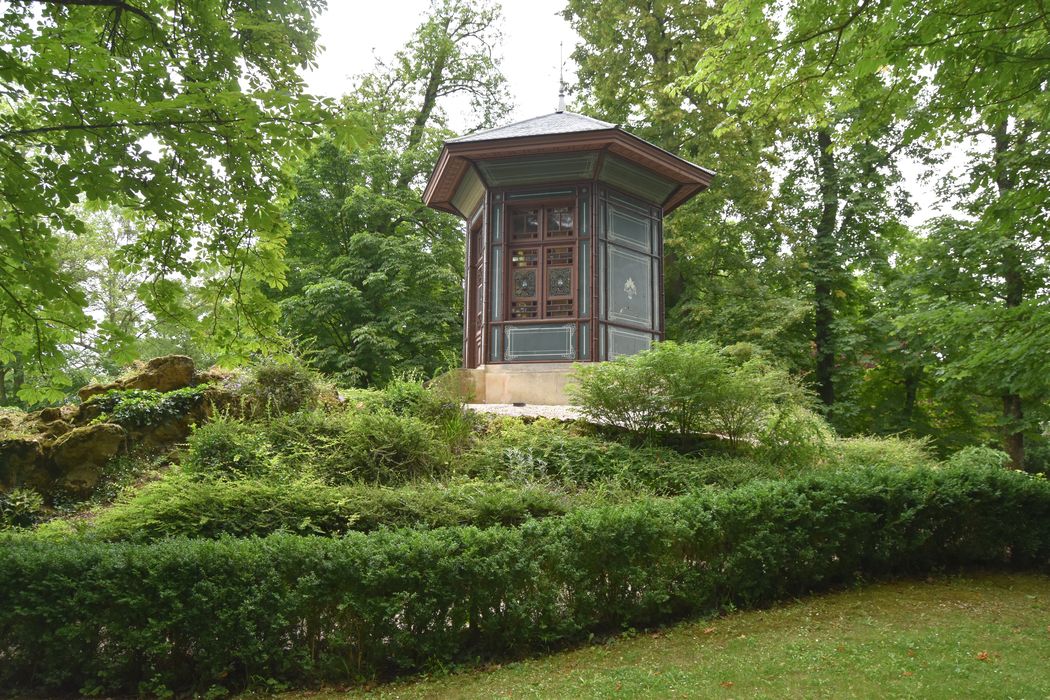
533, 410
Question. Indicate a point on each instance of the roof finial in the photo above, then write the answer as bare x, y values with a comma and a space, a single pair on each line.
561, 76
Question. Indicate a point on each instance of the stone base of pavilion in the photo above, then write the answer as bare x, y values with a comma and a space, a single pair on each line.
541, 384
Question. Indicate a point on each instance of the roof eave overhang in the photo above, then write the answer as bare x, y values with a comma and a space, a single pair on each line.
456, 158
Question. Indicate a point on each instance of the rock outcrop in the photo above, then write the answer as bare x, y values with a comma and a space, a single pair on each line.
21, 462
79, 456
166, 373
66, 448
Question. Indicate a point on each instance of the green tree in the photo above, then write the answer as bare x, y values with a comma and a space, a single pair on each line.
770, 254
957, 72
376, 277
725, 278
188, 114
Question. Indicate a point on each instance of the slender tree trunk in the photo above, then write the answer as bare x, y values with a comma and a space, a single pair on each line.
912, 379
1013, 278
18, 376
3, 386
824, 268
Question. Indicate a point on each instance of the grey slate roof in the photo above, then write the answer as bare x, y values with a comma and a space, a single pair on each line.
556, 123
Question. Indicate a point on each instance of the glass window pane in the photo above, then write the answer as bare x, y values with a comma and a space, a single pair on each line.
559, 282
603, 287
585, 278
584, 209
497, 223
541, 342
626, 342
494, 349
524, 284
656, 294
630, 287
497, 283
525, 224
559, 222
585, 342
628, 227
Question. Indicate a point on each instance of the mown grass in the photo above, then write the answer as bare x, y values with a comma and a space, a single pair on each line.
982, 635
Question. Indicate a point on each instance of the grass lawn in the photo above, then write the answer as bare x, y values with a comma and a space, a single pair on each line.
972, 636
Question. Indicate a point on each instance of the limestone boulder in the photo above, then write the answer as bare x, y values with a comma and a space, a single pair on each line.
166, 373
56, 428
96, 389
45, 415
79, 456
22, 463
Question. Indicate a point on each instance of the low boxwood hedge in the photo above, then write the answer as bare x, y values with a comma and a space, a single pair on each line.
200, 614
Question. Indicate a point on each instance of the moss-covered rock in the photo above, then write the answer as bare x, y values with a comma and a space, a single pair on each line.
166, 373
22, 463
79, 456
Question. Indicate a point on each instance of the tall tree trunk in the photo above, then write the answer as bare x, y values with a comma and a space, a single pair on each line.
426, 109
912, 380
3, 386
824, 269
1013, 279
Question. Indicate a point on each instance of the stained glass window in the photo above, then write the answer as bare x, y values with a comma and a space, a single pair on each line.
559, 282
524, 283
543, 278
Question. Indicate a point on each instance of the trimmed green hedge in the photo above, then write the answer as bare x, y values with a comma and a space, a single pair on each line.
193, 614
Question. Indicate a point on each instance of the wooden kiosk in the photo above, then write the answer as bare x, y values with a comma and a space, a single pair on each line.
564, 247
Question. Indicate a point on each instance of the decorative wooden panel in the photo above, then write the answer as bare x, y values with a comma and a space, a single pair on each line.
524, 281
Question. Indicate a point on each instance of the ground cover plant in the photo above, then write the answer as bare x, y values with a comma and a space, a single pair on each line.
177, 506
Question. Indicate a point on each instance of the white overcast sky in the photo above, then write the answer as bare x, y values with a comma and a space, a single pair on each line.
354, 33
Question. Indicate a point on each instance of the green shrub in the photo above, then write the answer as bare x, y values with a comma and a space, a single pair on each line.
281, 387
1037, 453
187, 615
384, 448
364, 400
228, 448
20, 508
794, 436
353, 447
435, 404
891, 451
141, 407
177, 506
408, 396
547, 453
695, 389
978, 457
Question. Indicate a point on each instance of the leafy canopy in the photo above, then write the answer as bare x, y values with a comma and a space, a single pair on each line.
376, 281
188, 115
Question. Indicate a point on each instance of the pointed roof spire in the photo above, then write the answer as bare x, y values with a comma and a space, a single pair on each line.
561, 77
